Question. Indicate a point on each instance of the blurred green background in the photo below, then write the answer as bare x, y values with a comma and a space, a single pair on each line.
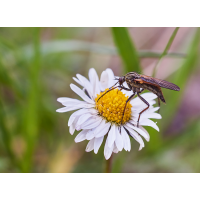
37, 66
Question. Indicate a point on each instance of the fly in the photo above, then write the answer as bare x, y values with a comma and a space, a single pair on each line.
137, 83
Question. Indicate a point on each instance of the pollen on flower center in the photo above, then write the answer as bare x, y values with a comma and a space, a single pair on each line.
111, 106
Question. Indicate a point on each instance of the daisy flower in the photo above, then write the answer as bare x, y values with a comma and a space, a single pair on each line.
103, 118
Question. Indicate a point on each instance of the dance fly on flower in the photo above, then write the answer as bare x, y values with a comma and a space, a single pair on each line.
102, 120
137, 83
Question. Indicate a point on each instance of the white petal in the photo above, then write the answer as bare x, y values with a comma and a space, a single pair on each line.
150, 115
66, 109
101, 125
94, 79
88, 105
111, 76
148, 122
102, 129
81, 112
104, 80
136, 137
86, 84
149, 96
85, 105
79, 82
90, 145
145, 131
97, 143
153, 109
83, 118
111, 136
126, 139
81, 136
71, 129
73, 126
92, 123
79, 92
90, 134
108, 150
115, 149
78, 128
119, 141
71, 119
127, 93
141, 132
75, 104
66, 99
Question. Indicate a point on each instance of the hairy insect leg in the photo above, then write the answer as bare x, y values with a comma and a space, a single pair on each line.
159, 104
107, 92
124, 88
126, 104
142, 110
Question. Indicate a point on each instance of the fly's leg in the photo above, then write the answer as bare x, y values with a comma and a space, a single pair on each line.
126, 104
142, 110
124, 88
159, 104
107, 92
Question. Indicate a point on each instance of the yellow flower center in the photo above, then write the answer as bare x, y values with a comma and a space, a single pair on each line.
111, 106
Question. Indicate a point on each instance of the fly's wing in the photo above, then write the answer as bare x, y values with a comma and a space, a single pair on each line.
159, 82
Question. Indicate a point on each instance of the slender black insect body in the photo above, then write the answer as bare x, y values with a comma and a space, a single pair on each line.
137, 83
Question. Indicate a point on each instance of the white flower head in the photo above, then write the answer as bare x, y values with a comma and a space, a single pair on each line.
103, 118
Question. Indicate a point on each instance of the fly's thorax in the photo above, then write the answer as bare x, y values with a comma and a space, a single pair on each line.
130, 79
131, 76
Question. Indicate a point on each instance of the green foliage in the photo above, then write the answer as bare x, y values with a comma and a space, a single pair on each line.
126, 49
181, 78
37, 66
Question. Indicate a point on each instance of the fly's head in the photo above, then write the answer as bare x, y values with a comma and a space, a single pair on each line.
121, 80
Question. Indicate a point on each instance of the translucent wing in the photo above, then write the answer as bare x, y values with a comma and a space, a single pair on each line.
159, 82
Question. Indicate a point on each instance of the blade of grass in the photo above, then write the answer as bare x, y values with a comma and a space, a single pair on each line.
171, 39
4, 132
168, 111
31, 111
126, 49
153, 54
6, 135
181, 77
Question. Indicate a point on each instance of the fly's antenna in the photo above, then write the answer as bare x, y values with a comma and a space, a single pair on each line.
115, 83
111, 88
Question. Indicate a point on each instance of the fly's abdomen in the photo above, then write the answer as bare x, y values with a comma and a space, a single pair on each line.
156, 90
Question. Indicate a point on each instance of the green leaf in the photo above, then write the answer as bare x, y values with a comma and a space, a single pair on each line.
126, 49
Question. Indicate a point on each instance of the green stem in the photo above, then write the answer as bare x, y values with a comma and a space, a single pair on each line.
109, 165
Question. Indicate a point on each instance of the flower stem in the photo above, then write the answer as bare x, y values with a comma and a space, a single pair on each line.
109, 165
